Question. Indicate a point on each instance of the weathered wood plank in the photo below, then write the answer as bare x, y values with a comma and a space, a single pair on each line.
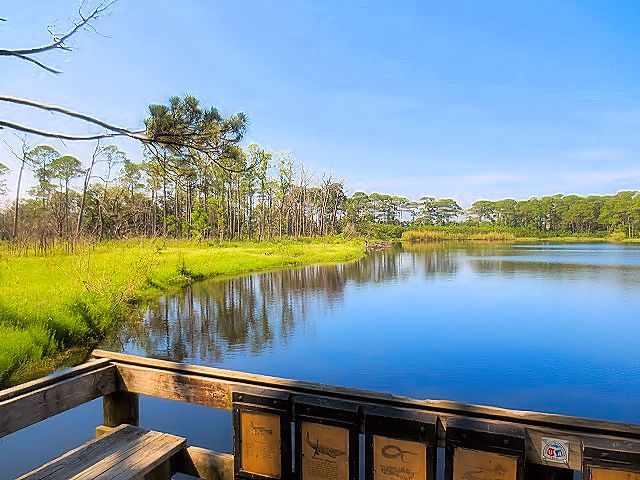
71, 462
57, 377
145, 461
20, 411
119, 456
203, 463
195, 461
181, 387
124, 452
212, 387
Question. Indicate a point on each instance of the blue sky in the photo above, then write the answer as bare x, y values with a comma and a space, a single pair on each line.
469, 99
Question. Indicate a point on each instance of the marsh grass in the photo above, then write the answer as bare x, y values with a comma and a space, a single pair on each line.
50, 303
427, 236
485, 234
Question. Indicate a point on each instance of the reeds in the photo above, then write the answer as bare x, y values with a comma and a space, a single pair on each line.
426, 236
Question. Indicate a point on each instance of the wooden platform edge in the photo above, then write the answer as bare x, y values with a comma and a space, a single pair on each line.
195, 461
213, 386
46, 399
32, 385
203, 463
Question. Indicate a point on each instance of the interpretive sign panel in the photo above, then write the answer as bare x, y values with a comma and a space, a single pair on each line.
484, 450
325, 452
399, 459
400, 443
477, 465
260, 443
262, 435
326, 438
604, 474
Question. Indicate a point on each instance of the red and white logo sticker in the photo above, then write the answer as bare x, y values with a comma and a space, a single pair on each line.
555, 450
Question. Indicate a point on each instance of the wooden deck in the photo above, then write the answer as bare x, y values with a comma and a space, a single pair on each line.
124, 453
532, 445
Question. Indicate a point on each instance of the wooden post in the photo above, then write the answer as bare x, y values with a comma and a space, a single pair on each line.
120, 407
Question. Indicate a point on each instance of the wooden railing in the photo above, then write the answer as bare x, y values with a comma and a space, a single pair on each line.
403, 437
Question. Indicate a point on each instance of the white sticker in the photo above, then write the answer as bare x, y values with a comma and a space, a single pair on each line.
555, 450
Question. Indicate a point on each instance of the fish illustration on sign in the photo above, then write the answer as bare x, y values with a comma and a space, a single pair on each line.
320, 449
402, 473
394, 451
258, 430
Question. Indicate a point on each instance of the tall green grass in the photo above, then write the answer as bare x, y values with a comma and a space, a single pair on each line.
422, 236
499, 233
55, 302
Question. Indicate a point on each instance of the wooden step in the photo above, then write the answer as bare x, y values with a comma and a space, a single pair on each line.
126, 452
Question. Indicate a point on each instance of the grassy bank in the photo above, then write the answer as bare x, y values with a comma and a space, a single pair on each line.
52, 303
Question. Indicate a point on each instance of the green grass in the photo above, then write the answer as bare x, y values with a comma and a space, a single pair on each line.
49, 304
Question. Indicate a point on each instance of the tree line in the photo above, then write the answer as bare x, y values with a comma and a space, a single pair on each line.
176, 190
254, 193
127, 199
552, 214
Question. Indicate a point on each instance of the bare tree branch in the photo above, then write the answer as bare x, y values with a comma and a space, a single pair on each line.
69, 113
61, 136
58, 42
38, 63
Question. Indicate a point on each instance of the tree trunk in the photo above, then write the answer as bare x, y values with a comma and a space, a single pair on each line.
164, 206
85, 186
15, 214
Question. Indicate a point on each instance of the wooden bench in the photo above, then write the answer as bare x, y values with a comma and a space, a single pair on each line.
126, 452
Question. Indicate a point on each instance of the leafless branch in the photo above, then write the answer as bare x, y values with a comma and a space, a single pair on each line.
61, 136
12, 150
69, 113
58, 42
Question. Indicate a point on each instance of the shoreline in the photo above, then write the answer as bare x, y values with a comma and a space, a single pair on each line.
52, 308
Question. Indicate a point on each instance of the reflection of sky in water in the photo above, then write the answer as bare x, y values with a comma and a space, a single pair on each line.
541, 327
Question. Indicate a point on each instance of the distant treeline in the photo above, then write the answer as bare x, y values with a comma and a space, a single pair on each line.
545, 216
260, 196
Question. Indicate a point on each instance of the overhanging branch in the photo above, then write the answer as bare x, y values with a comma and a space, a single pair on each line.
160, 140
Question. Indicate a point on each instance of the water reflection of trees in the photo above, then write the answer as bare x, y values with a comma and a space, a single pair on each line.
250, 313
254, 313
628, 275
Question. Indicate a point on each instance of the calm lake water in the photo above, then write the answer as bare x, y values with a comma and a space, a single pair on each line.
554, 328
